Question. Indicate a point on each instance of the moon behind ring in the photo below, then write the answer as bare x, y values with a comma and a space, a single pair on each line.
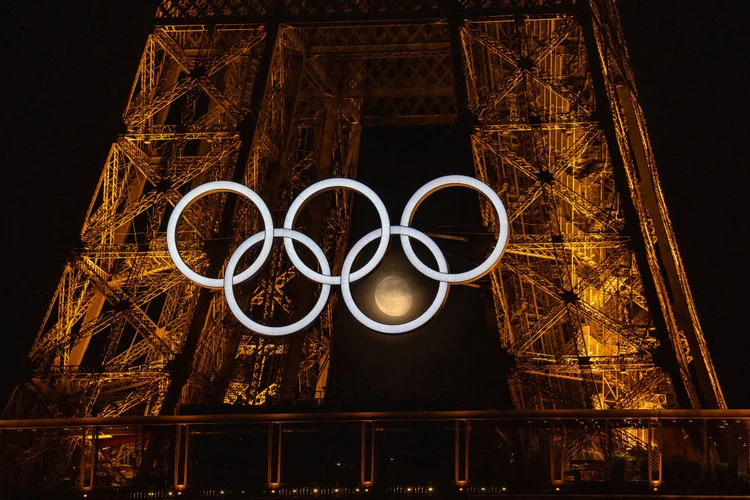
393, 296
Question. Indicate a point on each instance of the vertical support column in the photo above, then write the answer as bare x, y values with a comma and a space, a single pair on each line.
732, 441
182, 363
181, 447
367, 459
140, 449
318, 207
557, 452
274, 454
463, 428
630, 201
467, 124
89, 447
2, 463
608, 449
329, 132
706, 453
654, 452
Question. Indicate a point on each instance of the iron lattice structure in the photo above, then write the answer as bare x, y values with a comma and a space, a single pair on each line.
274, 94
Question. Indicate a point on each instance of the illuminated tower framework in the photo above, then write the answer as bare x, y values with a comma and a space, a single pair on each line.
274, 94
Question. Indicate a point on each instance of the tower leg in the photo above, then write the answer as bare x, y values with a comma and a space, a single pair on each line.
182, 363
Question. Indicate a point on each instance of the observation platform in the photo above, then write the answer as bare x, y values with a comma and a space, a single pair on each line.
374, 454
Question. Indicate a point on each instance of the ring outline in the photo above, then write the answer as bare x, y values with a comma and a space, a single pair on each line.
399, 328
326, 185
276, 331
451, 181
205, 190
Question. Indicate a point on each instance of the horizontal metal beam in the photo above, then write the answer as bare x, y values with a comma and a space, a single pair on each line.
287, 16
389, 49
388, 121
381, 416
381, 92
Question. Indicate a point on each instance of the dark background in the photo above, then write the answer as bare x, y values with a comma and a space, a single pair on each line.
67, 68
453, 360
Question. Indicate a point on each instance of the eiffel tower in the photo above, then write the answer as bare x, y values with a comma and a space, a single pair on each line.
590, 302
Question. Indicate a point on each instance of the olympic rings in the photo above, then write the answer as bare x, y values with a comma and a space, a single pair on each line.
324, 277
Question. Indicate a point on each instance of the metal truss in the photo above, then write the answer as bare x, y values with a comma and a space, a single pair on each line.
679, 316
590, 291
569, 298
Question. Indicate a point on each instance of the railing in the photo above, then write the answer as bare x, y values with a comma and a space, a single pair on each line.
415, 453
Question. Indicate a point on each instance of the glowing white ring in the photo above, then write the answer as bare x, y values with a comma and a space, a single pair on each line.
325, 185
437, 303
502, 238
205, 190
325, 290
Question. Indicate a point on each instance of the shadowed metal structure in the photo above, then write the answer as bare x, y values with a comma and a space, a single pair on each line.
590, 299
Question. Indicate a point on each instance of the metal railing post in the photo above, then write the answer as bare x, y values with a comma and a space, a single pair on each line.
367, 459
654, 452
557, 452
463, 428
89, 445
274, 454
181, 450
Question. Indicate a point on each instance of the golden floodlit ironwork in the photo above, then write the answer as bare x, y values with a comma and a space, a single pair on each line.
591, 300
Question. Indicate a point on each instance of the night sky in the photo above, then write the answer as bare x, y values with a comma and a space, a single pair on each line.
68, 67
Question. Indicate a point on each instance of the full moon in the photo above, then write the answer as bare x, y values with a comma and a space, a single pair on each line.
393, 296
